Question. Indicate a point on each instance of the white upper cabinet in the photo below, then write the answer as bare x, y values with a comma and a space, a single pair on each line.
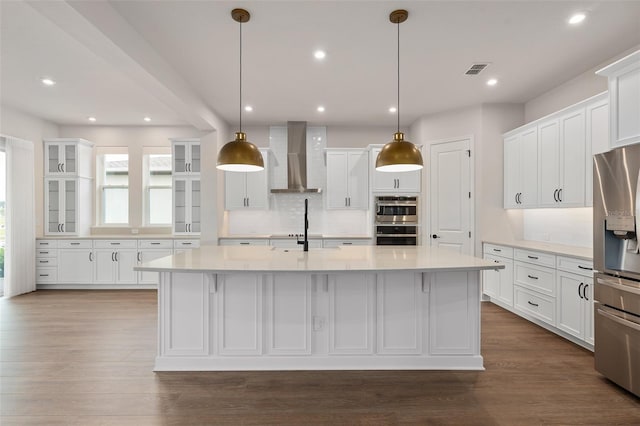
248, 190
561, 163
186, 205
549, 162
67, 157
624, 99
391, 182
347, 179
186, 156
521, 169
597, 118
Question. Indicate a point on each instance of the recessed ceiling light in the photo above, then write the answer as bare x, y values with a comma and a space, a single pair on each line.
492, 82
320, 109
577, 18
319, 54
393, 109
92, 119
147, 119
48, 82
248, 108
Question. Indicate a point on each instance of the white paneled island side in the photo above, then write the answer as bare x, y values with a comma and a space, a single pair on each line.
356, 308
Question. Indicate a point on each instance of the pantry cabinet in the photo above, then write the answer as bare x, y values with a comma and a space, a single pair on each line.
248, 190
347, 179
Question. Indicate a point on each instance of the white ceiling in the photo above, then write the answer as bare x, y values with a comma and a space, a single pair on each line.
177, 61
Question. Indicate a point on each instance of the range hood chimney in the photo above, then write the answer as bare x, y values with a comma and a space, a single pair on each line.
296, 160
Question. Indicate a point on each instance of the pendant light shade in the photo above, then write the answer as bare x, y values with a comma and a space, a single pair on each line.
240, 155
399, 155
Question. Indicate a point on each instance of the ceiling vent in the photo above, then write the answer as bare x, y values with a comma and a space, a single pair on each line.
476, 69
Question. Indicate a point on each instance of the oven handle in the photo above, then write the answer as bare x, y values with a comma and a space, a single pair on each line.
396, 204
396, 235
618, 286
622, 321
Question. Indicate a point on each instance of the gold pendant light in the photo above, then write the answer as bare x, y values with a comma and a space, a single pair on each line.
240, 155
399, 155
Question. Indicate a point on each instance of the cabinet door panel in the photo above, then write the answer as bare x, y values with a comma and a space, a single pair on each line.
70, 164
337, 192
257, 189
70, 206
179, 158
529, 168
549, 166
289, 314
588, 310
235, 193
105, 272
358, 180
351, 306
570, 309
399, 313
54, 158
505, 292
511, 172
75, 266
194, 158
239, 314
54, 202
491, 278
573, 164
147, 277
180, 198
194, 199
125, 262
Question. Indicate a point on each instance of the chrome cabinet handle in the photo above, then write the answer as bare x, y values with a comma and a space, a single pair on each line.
532, 304
532, 277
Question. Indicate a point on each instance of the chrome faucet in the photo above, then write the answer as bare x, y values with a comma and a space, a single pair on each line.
305, 242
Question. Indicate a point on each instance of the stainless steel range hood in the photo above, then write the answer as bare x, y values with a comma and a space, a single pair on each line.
296, 160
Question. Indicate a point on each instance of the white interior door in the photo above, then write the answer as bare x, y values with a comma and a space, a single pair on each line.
450, 196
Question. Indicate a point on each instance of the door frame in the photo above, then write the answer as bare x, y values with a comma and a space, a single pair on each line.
426, 203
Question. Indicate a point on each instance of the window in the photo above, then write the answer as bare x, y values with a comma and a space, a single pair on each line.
157, 183
114, 189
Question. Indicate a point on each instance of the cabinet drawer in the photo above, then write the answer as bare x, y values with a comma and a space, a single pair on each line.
47, 261
153, 244
575, 266
44, 244
46, 275
186, 244
84, 244
245, 242
45, 252
497, 250
537, 305
115, 244
536, 278
536, 257
340, 243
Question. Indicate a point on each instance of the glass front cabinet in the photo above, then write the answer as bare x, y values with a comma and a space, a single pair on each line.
67, 186
186, 186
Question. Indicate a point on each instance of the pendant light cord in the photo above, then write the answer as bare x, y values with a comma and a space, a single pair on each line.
398, 24
240, 97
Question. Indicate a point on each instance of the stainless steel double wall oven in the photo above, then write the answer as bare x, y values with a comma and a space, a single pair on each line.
396, 220
616, 221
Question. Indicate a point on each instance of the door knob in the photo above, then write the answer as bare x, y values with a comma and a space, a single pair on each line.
435, 236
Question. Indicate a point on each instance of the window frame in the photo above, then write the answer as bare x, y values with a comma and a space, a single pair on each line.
147, 152
101, 186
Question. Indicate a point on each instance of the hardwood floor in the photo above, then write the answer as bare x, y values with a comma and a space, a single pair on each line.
85, 358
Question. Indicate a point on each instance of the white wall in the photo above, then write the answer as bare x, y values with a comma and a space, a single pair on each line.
485, 125
575, 90
24, 126
572, 227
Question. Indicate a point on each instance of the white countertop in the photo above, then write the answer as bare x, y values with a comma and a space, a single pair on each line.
564, 250
282, 236
121, 237
352, 258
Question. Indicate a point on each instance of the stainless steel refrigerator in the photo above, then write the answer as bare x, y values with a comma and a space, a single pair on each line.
616, 224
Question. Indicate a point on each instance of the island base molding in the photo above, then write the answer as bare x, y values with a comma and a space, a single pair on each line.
347, 320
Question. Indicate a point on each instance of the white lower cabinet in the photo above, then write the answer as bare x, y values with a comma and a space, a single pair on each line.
351, 313
149, 250
243, 242
498, 283
553, 289
115, 261
76, 261
292, 243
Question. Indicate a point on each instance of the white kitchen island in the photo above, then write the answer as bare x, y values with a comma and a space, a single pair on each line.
356, 308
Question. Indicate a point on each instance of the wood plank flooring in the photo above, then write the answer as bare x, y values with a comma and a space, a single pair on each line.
86, 358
